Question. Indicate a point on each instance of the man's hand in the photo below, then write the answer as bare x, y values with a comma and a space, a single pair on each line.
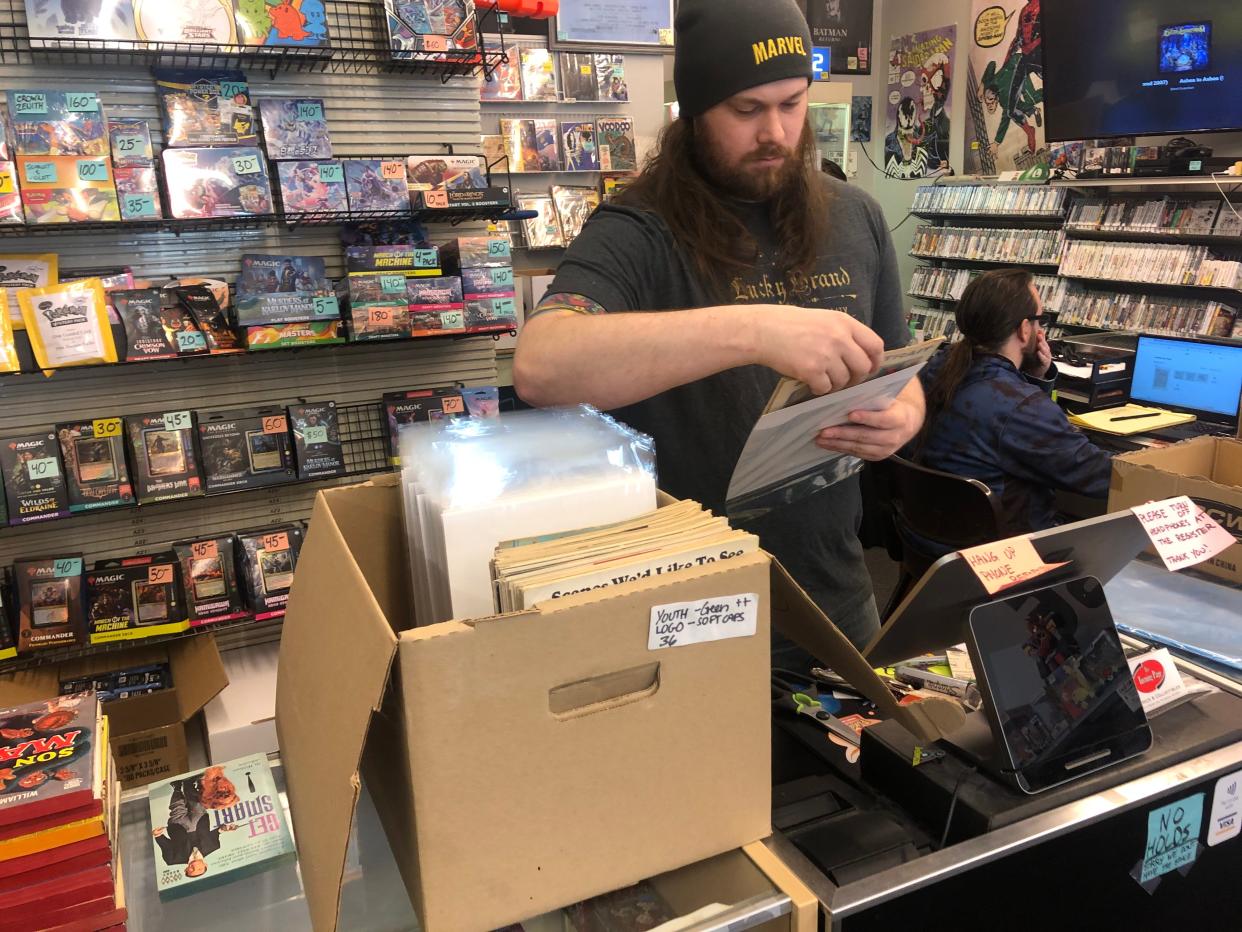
1042, 361
827, 350
877, 435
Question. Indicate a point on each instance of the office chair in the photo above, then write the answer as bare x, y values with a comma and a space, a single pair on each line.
939, 509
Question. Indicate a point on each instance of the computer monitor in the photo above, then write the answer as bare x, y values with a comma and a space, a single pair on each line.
1195, 376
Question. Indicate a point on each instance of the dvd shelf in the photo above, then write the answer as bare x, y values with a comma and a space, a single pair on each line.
991, 200
986, 244
1169, 216
1175, 316
944, 284
1151, 263
927, 323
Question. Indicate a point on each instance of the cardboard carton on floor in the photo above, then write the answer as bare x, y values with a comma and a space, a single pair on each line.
525, 761
147, 732
1208, 469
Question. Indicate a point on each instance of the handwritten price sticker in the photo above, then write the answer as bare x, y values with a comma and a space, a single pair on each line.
497, 248
41, 172
67, 566
1006, 563
7, 183
204, 549
713, 619
392, 284
279, 541
232, 89
310, 111
159, 575
392, 171
584, 69
128, 144
502, 276
190, 342
435, 200
452, 320
504, 307
1182, 533
379, 316
426, 258
136, 206
311, 435
92, 170
29, 103
43, 468
106, 427
331, 173
246, 164
325, 306
275, 424
433, 43
453, 404
178, 420
82, 102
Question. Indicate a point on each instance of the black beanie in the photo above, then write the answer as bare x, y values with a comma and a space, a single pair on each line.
727, 46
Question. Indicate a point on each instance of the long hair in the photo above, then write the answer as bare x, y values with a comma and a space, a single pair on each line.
990, 310
714, 239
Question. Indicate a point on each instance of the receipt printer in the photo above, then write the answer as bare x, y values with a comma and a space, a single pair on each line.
1091, 378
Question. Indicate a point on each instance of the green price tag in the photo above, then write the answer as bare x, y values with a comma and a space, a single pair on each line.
190, 342
177, 420
502, 276
452, 320
498, 247
504, 307
41, 172
426, 258
92, 169
326, 306
24, 102
315, 435
392, 284
129, 145
44, 468
246, 164
67, 566
231, 89
310, 110
81, 102
331, 173
136, 206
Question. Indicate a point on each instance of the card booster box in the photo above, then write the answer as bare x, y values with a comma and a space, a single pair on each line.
435, 306
378, 306
289, 336
476, 252
424, 259
486, 315
50, 602
268, 559
209, 578
245, 449
283, 290
317, 446
96, 474
135, 597
494, 281
34, 485
164, 456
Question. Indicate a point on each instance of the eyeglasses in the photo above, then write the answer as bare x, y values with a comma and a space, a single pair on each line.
1042, 319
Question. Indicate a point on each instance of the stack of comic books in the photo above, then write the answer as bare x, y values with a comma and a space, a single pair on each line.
59, 797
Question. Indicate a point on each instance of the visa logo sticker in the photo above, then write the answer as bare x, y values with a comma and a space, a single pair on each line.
1225, 821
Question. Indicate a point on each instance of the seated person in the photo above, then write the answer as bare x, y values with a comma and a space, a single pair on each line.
990, 415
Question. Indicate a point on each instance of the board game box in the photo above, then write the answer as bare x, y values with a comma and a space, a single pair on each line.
237, 826
301, 23
245, 449
134, 597
295, 128
54, 762
50, 605
148, 334
435, 306
209, 579
47, 122
67, 188
34, 484
287, 336
313, 187
617, 151
227, 182
96, 474
74, 19
538, 74
578, 76
164, 456
268, 559
376, 184
610, 78
203, 22
579, 146
205, 108
317, 446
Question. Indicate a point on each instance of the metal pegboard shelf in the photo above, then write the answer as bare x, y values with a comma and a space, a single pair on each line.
357, 35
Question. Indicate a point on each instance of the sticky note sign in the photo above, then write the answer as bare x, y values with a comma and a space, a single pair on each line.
275, 424
452, 320
379, 317
7, 183
138, 205
246, 164
717, 618
158, 575
41, 172
310, 110
279, 541
331, 172
1006, 563
204, 549
92, 170
29, 103
498, 247
1182, 533
314, 435
82, 102
325, 306
67, 566
433, 43
177, 420
106, 427
1172, 837
128, 145
391, 171
392, 284
45, 467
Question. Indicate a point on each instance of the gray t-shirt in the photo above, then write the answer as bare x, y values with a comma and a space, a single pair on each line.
626, 260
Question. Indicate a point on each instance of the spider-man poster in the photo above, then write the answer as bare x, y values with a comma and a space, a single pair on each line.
920, 77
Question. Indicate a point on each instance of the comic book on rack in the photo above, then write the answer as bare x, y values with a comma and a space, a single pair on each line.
617, 150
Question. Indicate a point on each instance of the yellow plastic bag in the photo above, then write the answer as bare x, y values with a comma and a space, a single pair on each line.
68, 324
8, 351
34, 270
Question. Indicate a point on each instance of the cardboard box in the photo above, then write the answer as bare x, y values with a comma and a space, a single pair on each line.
520, 762
1208, 469
147, 732
242, 720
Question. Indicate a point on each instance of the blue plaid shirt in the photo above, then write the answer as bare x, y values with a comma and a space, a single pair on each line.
1003, 428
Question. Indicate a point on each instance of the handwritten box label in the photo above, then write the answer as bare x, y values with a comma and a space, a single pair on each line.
391, 171
1181, 532
310, 110
45, 467
246, 164
325, 306
67, 566
128, 144
92, 170
177, 420
106, 427
452, 320
157, 575
41, 172
331, 172
82, 102
29, 103
1172, 836
712, 619
312, 435
204, 549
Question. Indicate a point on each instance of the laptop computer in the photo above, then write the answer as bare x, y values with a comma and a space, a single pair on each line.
1196, 377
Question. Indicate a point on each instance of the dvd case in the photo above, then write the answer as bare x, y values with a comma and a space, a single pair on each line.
34, 483
317, 445
505, 80
520, 144
376, 185
313, 187
93, 453
245, 449
205, 108
164, 455
617, 150
547, 145
226, 182
302, 23
295, 128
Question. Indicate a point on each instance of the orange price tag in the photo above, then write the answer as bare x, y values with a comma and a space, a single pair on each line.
1006, 563
276, 541
275, 424
392, 170
204, 549
379, 316
436, 199
453, 404
157, 575
435, 43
